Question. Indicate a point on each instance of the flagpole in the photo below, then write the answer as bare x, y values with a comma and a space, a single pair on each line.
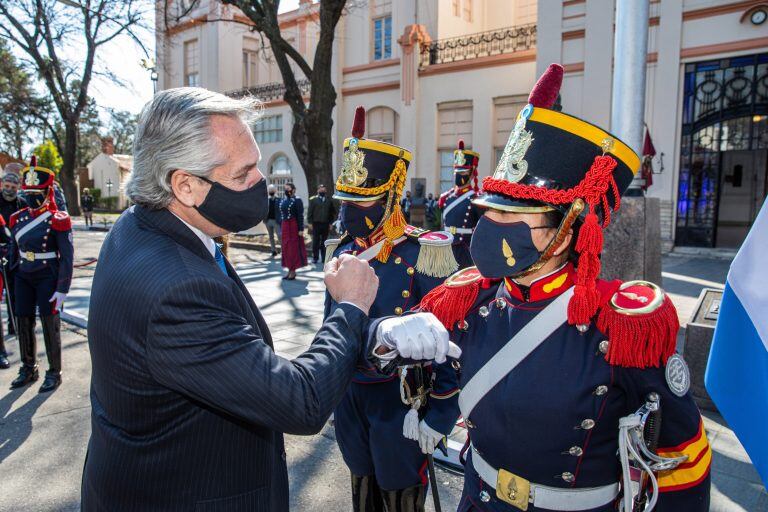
629, 71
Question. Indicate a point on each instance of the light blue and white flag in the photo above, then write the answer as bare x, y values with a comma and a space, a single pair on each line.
737, 370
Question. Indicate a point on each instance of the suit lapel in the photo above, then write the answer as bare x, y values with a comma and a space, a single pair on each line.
261, 323
173, 227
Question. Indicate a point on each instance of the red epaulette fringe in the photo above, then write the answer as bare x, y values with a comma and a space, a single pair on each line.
640, 341
450, 304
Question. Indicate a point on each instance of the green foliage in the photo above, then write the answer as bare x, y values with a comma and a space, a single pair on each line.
122, 128
109, 203
22, 109
96, 193
48, 156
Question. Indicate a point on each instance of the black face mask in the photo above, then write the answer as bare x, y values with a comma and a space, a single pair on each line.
460, 179
321, 194
360, 222
288, 192
271, 194
502, 250
235, 210
35, 200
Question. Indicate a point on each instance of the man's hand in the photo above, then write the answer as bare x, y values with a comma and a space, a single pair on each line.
420, 336
349, 279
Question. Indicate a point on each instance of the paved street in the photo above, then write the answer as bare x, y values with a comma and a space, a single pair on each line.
43, 437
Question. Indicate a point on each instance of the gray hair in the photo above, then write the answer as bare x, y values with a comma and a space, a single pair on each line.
174, 132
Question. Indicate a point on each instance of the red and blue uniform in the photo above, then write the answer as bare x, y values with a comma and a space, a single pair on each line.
369, 420
46, 233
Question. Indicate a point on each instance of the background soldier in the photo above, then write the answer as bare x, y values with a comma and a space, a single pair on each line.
10, 202
320, 214
45, 254
560, 370
459, 215
388, 469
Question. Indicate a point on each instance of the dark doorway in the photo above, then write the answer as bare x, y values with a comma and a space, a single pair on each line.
723, 155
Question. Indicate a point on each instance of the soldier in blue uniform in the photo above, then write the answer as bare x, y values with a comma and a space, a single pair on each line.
43, 237
459, 215
386, 425
570, 385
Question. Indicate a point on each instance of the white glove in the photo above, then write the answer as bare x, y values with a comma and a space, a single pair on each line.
58, 300
420, 336
428, 438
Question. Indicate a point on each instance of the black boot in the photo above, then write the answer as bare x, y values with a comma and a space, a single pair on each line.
4, 363
410, 499
27, 352
52, 337
366, 494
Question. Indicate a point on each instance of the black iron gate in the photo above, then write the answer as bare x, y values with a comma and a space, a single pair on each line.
725, 108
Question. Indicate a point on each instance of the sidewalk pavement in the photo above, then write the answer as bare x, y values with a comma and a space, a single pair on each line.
43, 437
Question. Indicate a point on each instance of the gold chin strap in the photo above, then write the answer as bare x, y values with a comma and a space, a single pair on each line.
562, 231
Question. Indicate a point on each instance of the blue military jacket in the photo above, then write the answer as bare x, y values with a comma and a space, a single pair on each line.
553, 419
401, 287
40, 232
459, 212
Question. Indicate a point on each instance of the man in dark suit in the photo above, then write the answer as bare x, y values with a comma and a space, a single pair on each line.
188, 397
322, 211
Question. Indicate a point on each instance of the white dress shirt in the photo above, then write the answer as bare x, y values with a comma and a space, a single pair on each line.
207, 241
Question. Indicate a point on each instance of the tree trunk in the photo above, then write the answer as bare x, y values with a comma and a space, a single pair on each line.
67, 174
311, 140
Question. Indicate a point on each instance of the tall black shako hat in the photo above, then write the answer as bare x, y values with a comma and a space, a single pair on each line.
465, 161
372, 170
38, 179
556, 161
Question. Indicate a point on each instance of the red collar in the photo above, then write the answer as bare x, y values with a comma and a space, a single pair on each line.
545, 287
372, 239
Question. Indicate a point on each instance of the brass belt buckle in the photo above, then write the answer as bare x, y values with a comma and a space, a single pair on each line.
452, 230
30, 256
513, 489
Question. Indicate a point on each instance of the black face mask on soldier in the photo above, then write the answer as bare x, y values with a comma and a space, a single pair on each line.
35, 199
461, 179
235, 210
502, 250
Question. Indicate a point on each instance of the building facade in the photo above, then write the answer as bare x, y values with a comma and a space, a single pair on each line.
432, 71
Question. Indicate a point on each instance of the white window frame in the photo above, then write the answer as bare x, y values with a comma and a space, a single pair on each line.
386, 42
269, 129
192, 76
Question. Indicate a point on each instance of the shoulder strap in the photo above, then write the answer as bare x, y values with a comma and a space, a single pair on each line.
468, 193
514, 351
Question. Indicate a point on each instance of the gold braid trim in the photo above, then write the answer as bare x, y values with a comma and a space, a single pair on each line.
394, 221
362, 191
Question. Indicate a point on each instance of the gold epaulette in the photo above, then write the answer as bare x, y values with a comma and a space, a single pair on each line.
436, 257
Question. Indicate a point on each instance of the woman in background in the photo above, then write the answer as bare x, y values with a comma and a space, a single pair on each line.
294, 253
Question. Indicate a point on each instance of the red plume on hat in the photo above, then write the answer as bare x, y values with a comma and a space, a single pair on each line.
358, 125
33, 161
461, 144
544, 93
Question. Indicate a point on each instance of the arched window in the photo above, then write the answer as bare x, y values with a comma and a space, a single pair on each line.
280, 172
381, 124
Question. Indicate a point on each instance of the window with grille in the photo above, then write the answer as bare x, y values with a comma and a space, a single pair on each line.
456, 8
191, 63
250, 68
269, 129
382, 38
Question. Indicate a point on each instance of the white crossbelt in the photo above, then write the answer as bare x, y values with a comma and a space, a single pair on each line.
30, 256
373, 251
454, 204
516, 349
552, 498
32, 225
459, 231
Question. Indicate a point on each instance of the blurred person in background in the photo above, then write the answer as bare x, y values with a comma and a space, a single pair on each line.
10, 202
292, 226
273, 219
320, 214
86, 203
